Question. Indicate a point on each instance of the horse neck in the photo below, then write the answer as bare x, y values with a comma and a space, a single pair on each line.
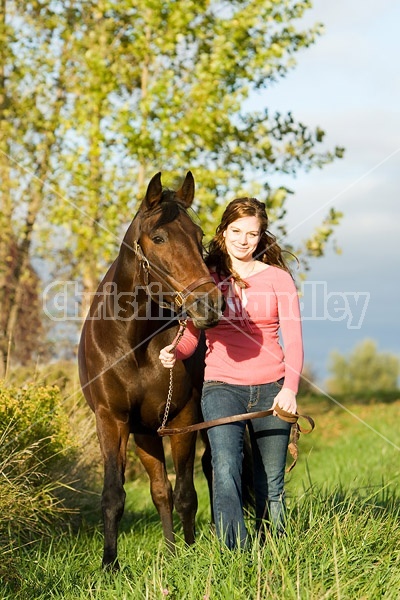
131, 294
136, 324
127, 270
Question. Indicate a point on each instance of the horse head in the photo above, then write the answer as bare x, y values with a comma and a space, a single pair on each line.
168, 248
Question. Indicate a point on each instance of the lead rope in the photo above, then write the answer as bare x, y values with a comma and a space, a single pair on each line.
177, 339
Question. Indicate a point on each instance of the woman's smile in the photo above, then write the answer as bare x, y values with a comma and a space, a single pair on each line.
242, 237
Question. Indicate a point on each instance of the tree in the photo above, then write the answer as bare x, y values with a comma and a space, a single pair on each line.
27, 331
161, 86
363, 370
29, 108
98, 95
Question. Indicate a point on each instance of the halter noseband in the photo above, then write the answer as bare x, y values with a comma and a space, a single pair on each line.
179, 296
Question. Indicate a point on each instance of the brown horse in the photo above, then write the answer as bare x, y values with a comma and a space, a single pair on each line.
159, 272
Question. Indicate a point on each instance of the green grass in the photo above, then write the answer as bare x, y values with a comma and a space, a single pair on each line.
343, 537
354, 445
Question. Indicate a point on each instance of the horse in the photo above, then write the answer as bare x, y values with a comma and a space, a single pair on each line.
158, 275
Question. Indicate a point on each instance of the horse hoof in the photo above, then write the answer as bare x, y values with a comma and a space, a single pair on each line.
111, 566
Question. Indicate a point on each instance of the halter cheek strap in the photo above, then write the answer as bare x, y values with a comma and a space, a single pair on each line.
179, 296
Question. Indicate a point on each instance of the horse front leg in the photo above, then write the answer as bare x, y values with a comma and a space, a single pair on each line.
150, 450
113, 436
183, 449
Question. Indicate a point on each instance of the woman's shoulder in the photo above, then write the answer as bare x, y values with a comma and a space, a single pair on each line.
278, 271
281, 279
271, 271
275, 276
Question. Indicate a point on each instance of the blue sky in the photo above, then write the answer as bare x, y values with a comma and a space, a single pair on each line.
349, 84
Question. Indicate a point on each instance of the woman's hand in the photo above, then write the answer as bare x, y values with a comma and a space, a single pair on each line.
167, 356
286, 399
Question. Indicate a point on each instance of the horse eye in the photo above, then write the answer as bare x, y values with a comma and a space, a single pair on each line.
157, 239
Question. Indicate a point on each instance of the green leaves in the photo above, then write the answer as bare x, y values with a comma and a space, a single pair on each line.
316, 244
99, 95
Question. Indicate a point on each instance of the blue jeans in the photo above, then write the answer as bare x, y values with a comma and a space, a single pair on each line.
269, 438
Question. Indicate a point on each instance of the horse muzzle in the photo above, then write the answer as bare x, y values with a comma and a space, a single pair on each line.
205, 309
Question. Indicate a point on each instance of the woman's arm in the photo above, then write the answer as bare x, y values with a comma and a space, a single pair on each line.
290, 326
187, 345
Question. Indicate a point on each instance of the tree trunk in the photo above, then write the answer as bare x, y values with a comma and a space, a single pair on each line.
5, 192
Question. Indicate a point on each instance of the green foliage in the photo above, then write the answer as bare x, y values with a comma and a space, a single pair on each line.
96, 97
32, 416
36, 451
103, 94
29, 107
79, 419
363, 370
316, 245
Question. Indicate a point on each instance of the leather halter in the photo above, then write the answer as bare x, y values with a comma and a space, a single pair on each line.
179, 296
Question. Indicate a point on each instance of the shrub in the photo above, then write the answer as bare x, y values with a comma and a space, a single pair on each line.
363, 370
36, 448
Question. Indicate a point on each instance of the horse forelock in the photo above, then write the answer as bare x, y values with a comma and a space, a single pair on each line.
169, 209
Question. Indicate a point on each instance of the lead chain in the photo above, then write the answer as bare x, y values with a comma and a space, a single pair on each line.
182, 327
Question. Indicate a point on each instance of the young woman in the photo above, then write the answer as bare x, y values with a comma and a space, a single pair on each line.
246, 368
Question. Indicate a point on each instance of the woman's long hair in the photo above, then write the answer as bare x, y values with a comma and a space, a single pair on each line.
268, 251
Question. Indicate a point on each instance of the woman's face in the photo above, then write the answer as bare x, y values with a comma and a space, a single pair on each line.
242, 237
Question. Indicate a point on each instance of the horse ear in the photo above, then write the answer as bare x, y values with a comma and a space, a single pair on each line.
186, 192
154, 192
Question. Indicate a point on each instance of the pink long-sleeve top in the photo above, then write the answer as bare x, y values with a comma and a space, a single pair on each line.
244, 348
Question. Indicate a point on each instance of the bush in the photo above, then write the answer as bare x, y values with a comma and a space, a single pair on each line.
363, 370
33, 415
35, 450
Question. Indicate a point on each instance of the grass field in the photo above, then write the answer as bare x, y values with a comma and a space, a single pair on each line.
343, 536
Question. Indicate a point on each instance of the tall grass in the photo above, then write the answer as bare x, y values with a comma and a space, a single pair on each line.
40, 466
343, 539
338, 546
